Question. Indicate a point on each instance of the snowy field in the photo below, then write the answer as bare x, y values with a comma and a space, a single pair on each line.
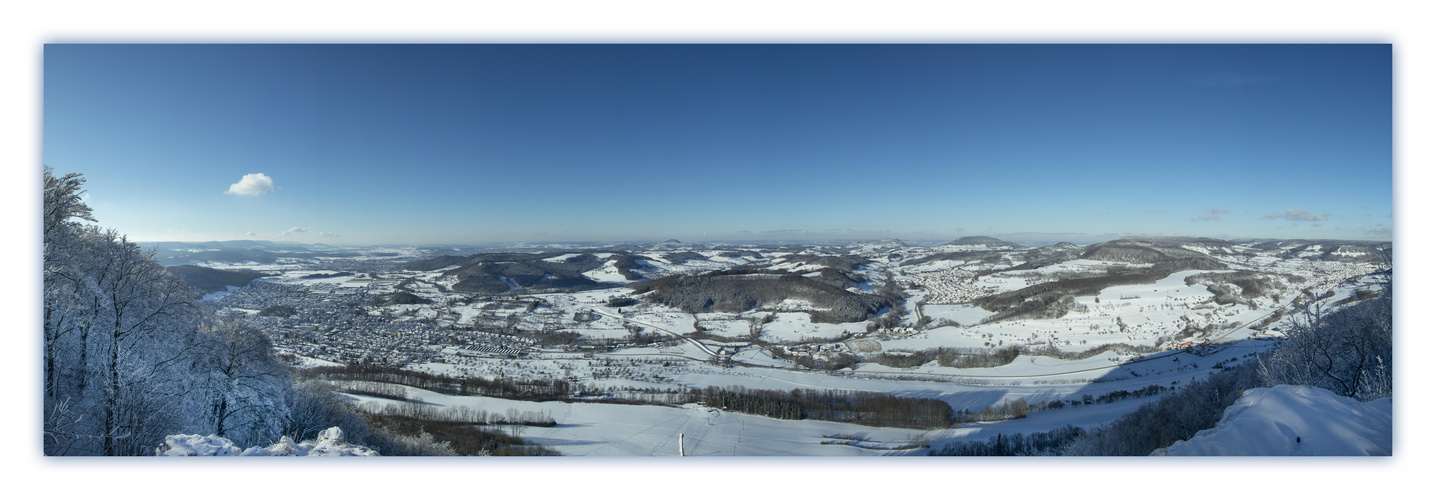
795, 327
597, 429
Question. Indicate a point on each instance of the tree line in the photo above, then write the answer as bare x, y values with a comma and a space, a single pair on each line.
863, 408
520, 389
1014, 445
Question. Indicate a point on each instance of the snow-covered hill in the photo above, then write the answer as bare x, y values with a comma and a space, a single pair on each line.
1294, 420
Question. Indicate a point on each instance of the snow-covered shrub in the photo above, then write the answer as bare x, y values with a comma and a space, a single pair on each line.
422, 444
1348, 352
314, 407
330, 444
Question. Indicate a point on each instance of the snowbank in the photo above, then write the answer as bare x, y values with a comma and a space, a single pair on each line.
1294, 420
330, 444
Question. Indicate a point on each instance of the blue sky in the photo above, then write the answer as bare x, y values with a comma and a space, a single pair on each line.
491, 143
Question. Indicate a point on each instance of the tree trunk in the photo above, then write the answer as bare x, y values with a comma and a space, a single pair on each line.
112, 401
219, 416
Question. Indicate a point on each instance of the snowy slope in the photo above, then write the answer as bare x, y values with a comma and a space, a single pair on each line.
596, 429
1294, 420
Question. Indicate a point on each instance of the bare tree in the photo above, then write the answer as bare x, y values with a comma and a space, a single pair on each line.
119, 332
1347, 351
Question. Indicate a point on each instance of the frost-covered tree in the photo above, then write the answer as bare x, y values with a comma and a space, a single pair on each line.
129, 358
63, 213
1348, 352
243, 385
147, 330
313, 407
119, 336
71, 306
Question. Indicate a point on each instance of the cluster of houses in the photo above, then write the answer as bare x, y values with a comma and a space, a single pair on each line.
334, 326
949, 286
816, 351
904, 330
1328, 275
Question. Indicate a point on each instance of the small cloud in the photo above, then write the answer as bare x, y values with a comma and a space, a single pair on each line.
1316, 224
295, 230
1380, 230
324, 234
252, 185
251, 234
1212, 214
1299, 214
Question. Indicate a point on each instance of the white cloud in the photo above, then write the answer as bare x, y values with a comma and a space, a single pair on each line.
252, 185
324, 234
1299, 214
1213, 214
295, 230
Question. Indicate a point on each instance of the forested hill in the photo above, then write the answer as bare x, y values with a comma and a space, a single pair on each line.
983, 240
504, 271
206, 280
739, 292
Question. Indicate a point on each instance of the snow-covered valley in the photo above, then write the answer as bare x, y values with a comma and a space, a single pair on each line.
1073, 339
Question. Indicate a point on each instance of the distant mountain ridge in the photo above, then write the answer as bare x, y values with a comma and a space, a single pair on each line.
985, 241
173, 253
882, 242
1157, 249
